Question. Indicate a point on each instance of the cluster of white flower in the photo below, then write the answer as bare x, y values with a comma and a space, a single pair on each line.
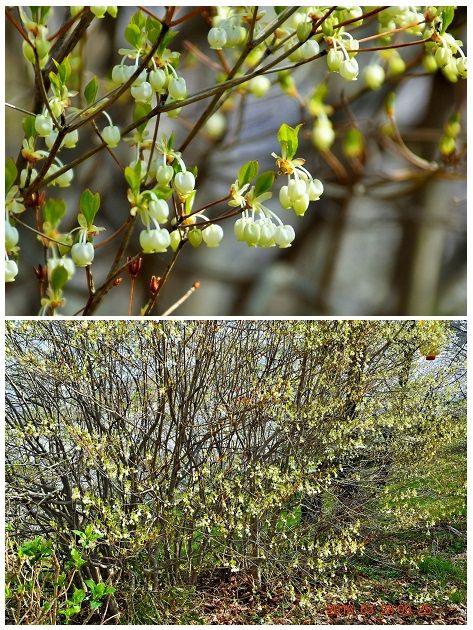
227, 30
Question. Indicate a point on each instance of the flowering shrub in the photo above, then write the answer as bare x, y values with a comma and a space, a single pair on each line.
163, 452
255, 48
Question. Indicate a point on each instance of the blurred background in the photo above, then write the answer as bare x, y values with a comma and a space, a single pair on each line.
388, 237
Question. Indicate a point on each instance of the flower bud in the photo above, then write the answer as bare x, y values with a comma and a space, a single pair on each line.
43, 125
349, 69
154, 284
158, 80
334, 60
119, 74
82, 254
461, 67
184, 182
284, 235
11, 270
134, 266
212, 235
442, 56
217, 38
51, 139
429, 63
57, 107
215, 125
303, 30
315, 189
175, 239
284, 199
296, 189
301, 204
309, 49
158, 210
259, 86
239, 228
396, 65
99, 12
164, 174
64, 180
11, 236
267, 230
111, 136
252, 233
195, 237
174, 113
154, 241
236, 35
323, 135
373, 76
177, 88
142, 93
71, 139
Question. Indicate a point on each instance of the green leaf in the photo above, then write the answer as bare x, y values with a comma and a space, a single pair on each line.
10, 174
133, 35
76, 556
95, 604
247, 172
140, 110
82, 221
447, 17
59, 277
78, 595
53, 211
139, 20
28, 126
153, 28
63, 70
167, 39
55, 80
91, 90
264, 182
133, 176
89, 205
288, 139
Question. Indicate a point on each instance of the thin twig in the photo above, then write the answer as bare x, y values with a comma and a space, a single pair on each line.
181, 300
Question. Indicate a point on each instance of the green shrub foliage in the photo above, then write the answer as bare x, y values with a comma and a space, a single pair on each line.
153, 453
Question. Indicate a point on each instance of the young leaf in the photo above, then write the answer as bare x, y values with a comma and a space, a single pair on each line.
447, 17
76, 556
53, 211
131, 179
64, 70
28, 126
78, 595
91, 89
247, 173
167, 39
95, 604
133, 35
288, 139
89, 205
10, 174
264, 182
59, 277
153, 28
140, 110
